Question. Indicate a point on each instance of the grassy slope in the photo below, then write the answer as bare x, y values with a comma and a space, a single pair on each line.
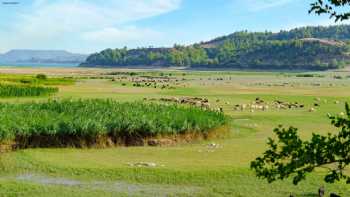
222, 172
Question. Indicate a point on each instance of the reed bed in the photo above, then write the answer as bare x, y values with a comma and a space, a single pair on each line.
37, 80
88, 122
18, 90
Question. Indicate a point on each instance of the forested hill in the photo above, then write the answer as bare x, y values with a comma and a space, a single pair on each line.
307, 48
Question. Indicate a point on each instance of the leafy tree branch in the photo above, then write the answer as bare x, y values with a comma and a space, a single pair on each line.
333, 8
290, 156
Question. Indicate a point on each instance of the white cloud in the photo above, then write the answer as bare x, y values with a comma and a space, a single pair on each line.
51, 23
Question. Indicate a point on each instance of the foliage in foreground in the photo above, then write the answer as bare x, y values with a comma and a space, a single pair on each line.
17, 90
332, 8
92, 118
292, 156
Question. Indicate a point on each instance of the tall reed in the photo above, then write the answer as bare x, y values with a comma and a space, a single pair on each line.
90, 119
17, 90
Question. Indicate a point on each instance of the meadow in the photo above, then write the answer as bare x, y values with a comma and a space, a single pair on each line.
213, 167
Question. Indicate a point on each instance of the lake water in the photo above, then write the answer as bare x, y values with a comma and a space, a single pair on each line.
37, 65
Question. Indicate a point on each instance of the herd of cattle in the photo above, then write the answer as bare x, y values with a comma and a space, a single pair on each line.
260, 104
152, 81
167, 82
257, 105
193, 101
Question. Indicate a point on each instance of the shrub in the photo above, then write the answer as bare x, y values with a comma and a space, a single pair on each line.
310, 75
337, 77
41, 76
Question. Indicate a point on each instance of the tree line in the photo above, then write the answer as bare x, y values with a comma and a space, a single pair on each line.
250, 50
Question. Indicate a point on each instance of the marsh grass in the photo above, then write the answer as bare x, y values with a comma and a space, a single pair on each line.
86, 123
35, 80
17, 90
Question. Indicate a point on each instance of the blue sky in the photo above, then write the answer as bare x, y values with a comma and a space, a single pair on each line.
87, 26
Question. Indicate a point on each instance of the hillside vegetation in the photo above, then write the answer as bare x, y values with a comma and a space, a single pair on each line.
307, 48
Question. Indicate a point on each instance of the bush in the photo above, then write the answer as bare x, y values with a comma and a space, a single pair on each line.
309, 75
337, 77
41, 76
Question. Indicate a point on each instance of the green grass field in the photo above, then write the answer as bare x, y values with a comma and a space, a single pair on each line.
192, 169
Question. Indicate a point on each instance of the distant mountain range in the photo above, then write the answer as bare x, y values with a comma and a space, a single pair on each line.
305, 48
42, 56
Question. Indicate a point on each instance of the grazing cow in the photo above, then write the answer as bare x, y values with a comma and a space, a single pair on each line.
283, 107
205, 105
175, 99
265, 107
334, 195
220, 109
